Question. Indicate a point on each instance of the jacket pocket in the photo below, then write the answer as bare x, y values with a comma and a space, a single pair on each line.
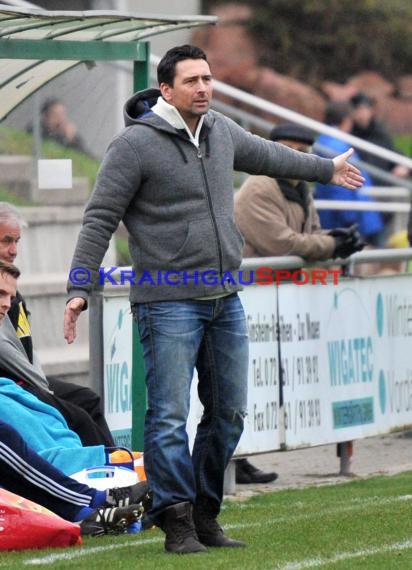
192, 245
232, 242
199, 249
177, 246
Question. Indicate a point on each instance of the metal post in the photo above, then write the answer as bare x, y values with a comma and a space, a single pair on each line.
96, 372
139, 397
229, 483
37, 145
345, 452
141, 71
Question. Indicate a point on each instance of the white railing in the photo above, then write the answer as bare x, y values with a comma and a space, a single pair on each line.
387, 192
398, 207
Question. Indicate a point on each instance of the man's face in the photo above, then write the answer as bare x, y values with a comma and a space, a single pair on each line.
191, 91
8, 287
9, 239
56, 118
362, 115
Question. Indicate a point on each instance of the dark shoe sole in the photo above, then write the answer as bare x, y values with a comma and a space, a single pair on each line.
201, 549
246, 479
225, 543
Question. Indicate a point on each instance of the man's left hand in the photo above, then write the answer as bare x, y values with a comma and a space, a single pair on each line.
345, 174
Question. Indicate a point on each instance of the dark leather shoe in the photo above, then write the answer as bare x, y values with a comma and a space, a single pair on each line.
209, 532
219, 539
176, 522
247, 474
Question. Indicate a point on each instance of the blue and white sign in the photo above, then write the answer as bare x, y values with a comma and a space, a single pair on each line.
348, 369
117, 350
344, 360
262, 423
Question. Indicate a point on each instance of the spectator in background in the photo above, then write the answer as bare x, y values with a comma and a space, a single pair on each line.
409, 228
370, 223
278, 217
367, 127
56, 125
246, 473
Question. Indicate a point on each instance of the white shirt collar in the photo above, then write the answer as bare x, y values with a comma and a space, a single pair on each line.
171, 115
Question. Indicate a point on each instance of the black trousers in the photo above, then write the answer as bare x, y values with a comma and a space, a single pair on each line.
80, 407
86, 399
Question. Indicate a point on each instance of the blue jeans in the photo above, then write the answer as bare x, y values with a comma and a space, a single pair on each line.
178, 336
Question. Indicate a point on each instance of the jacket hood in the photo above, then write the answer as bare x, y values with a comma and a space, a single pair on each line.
139, 104
138, 109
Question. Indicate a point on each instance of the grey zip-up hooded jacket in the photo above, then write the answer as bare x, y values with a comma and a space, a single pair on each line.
176, 201
14, 362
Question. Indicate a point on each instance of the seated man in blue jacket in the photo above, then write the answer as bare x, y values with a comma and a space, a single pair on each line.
24, 472
27, 474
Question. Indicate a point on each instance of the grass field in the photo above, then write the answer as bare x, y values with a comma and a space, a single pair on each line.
363, 524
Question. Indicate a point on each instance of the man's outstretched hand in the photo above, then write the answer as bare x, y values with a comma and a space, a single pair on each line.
345, 174
73, 309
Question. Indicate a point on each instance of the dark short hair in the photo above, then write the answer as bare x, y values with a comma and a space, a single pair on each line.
336, 111
166, 70
48, 104
292, 132
362, 100
9, 269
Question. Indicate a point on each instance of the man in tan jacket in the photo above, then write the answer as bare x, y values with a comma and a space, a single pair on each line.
278, 217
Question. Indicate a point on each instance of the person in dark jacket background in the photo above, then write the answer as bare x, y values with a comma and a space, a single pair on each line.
370, 223
367, 127
169, 177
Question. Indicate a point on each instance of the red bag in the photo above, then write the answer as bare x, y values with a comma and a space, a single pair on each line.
25, 525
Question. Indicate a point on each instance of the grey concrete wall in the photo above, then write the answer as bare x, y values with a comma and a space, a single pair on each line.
48, 241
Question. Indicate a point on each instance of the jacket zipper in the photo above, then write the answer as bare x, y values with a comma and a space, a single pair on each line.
209, 201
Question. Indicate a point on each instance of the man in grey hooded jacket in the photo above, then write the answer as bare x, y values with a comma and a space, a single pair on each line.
169, 176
